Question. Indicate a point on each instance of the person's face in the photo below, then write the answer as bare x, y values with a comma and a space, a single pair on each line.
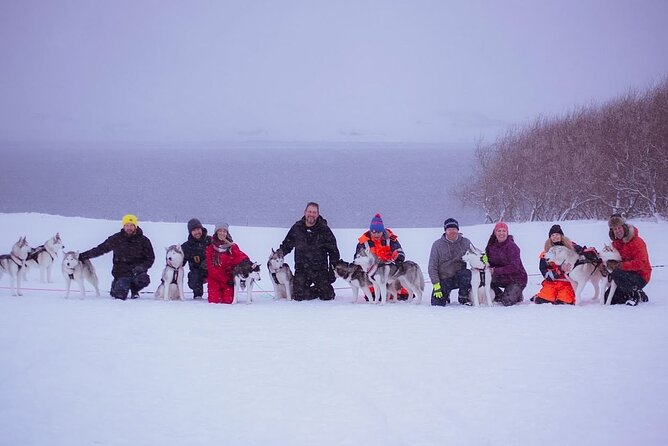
129, 228
451, 233
311, 214
501, 234
376, 235
555, 237
196, 233
618, 231
221, 233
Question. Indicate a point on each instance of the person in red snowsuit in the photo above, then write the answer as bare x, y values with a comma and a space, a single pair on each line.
222, 255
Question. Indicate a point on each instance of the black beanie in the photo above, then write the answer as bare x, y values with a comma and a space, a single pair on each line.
450, 223
194, 223
555, 229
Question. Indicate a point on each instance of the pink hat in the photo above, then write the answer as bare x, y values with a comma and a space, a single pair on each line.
500, 225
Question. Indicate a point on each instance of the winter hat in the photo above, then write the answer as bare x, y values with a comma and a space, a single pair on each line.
377, 224
194, 223
500, 225
450, 223
616, 220
129, 218
224, 226
555, 229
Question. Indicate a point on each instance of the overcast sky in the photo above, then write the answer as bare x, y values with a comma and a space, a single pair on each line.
418, 70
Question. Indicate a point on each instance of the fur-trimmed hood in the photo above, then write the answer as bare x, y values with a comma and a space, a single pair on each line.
630, 231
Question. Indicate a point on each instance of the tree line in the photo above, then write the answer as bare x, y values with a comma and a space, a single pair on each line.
590, 163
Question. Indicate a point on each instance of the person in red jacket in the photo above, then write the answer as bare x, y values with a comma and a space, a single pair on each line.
222, 255
634, 271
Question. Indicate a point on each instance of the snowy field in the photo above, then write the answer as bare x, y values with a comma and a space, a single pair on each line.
104, 372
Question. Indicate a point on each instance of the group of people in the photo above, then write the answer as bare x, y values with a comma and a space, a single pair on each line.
211, 260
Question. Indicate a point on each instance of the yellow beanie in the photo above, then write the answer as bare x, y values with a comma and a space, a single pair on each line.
129, 218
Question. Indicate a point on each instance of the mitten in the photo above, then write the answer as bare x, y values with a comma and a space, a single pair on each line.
436, 291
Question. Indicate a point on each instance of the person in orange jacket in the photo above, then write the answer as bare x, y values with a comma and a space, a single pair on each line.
556, 288
384, 244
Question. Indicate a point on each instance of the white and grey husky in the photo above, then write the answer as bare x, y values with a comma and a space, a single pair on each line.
384, 274
13, 263
171, 282
281, 275
44, 257
356, 278
481, 276
245, 274
78, 271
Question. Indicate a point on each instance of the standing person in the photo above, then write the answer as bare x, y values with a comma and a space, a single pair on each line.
133, 257
447, 270
194, 252
634, 271
384, 244
556, 288
315, 251
509, 278
222, 255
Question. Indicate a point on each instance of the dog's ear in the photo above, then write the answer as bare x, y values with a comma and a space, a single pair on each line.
272, 251
166, 248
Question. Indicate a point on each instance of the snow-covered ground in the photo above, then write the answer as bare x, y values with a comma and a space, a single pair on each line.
105, 372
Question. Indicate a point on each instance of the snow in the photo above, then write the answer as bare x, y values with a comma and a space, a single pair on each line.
103, 372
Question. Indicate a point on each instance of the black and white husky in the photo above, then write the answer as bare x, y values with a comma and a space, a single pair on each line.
356, 278
171, 282
78, 271
281, 275
245, 274
384, 274
44, 257
13, 263
481, 276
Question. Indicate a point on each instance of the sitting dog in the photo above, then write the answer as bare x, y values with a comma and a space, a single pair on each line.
356, 278
481, 276
281, 274
609, 254
43, 257
13, 263
245, 274
171, 282
77, 271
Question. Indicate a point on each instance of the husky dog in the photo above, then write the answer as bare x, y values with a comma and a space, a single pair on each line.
43, 257
171, 282
12, 264
481, 276
356, 277
75, 270
281, 275
608, 253
245, 274
384, 274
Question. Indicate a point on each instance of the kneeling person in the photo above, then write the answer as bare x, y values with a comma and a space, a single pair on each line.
447, 270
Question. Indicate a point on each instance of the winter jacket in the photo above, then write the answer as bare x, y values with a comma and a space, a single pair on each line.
634, 253
544, 267
445, 258
130, 251
315, 246
387, 250
507, 263
228, 260
194, 251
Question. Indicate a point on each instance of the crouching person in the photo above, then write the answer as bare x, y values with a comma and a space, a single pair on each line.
447, 270
634, 271
509, 278
133, 257
222, 255
556, 288
194, 252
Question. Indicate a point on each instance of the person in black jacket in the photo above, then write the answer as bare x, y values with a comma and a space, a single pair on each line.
133, 256
315, 251
194, 253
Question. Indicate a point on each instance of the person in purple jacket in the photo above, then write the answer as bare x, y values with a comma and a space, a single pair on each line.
509, 278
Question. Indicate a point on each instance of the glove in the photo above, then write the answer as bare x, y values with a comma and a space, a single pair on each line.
549, 276
436, 291
612, 264
137, 270
484, 259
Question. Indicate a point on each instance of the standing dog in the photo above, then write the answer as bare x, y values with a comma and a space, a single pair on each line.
384, 274
78, 271
12, 264
43, 257
356, 278
171, 282
481, 276
281, 275
245, 274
